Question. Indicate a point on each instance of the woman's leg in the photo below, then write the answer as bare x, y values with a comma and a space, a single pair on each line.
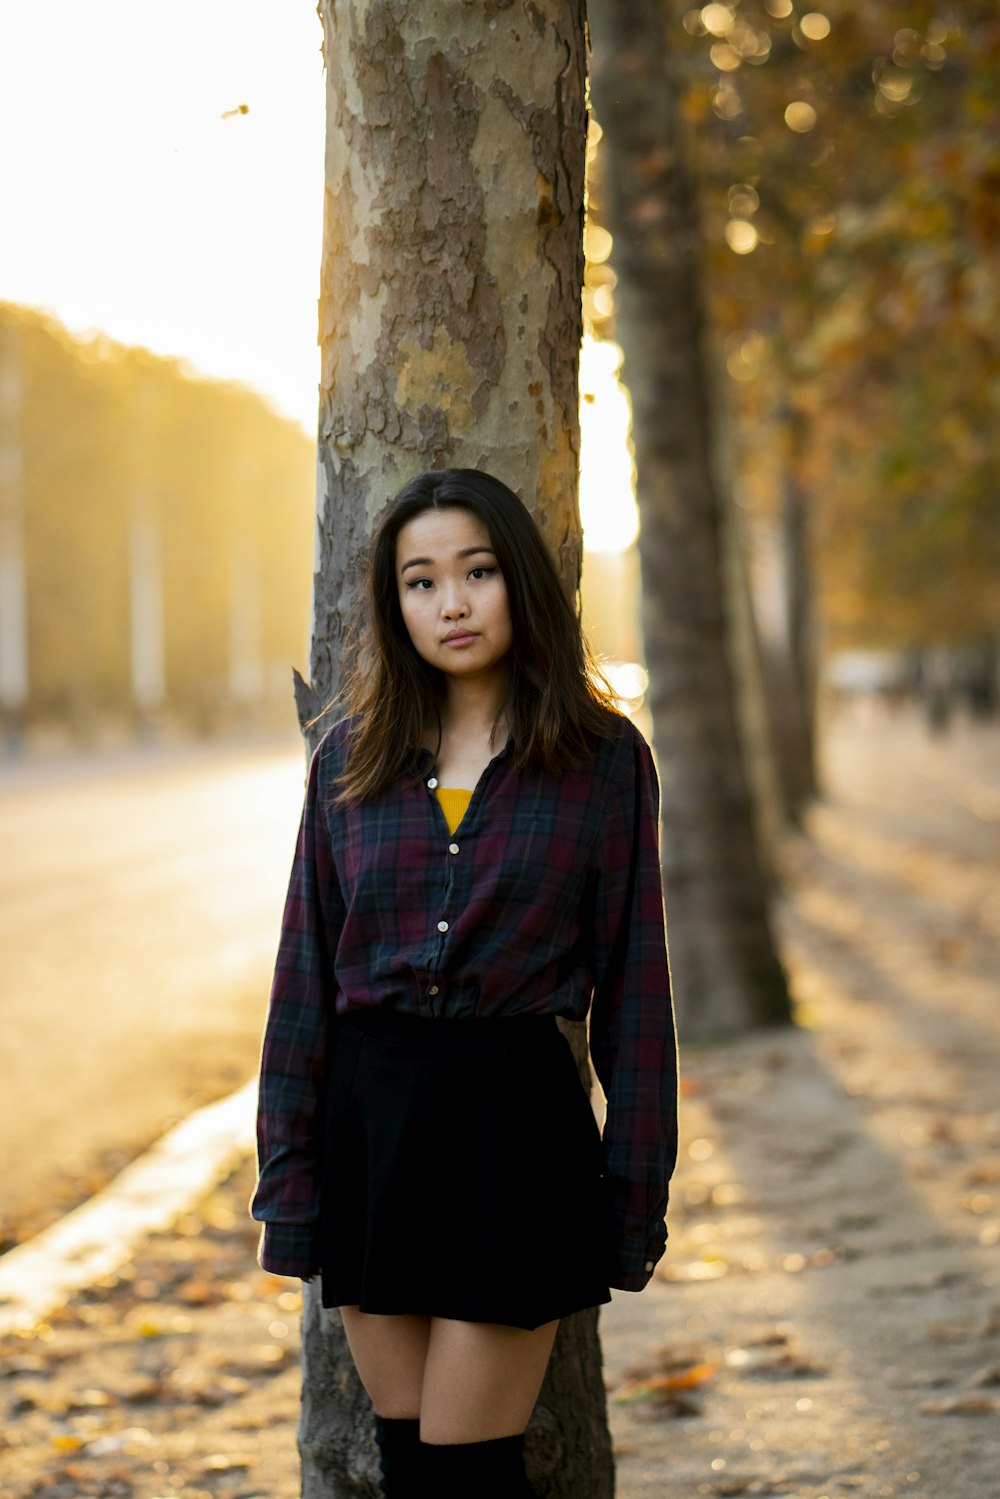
389, 1354
466, 1381
481, 1380
473, 1386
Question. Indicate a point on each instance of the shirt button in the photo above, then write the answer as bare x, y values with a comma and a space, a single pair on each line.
432, 783
649, 1263
453, 848
442, 926
434, 989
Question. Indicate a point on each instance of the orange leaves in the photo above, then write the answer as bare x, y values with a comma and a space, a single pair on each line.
663, 1388
669, 1386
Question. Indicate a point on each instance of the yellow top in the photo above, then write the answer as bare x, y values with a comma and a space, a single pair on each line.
454, 801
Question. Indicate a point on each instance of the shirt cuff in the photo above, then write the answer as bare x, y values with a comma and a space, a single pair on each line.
289, 1249
634, 1263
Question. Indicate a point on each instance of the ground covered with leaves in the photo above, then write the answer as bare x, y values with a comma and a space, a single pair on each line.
177, 1376
826, 1321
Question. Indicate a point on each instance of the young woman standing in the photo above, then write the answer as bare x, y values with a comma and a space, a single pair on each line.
478, 854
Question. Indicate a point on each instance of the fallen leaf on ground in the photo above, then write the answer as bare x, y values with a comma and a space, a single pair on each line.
196, 1292
961, 1405
84, 1400
66, 1442
676, 1379
224, 1462
956, 1332
764, 1361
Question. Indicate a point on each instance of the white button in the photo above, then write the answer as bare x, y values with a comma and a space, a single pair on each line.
442, 926
453, 848
432, 782
434, 989
649, 1263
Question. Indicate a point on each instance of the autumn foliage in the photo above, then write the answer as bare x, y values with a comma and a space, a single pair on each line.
99, 434
849, 158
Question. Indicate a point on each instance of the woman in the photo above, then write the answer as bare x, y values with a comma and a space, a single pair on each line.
478, 854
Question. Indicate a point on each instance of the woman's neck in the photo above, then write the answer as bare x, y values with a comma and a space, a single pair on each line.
470, 709
465, 733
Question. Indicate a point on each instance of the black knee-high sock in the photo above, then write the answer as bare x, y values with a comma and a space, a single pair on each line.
475, 1470
398, 1443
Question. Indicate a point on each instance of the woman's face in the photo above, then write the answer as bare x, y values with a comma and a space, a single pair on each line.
452, 594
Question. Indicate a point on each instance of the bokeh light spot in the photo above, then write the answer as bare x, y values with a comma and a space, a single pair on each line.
800, 116
725, 57
718, 19
741, 236
815, 26
596, 244
743, 200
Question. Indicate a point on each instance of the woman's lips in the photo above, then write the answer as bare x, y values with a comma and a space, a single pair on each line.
462, 639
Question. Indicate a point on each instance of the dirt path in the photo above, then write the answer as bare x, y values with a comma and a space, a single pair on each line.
827, 1319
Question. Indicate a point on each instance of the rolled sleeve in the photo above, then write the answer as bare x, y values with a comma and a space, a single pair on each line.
289, 1249
295, 1048
633, 1038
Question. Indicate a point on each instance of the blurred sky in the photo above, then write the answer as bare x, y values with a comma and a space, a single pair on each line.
129, 203
134, 202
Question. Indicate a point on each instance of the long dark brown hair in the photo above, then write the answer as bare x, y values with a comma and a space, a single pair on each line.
555, 702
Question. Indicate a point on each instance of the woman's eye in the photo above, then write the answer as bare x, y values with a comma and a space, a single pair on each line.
481, 572
419, 583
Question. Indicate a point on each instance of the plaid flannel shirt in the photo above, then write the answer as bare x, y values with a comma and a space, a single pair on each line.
546, 900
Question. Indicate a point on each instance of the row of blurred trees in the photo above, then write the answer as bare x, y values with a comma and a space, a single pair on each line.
846, 162
155, 539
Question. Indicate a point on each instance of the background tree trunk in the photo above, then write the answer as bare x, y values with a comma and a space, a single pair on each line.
450, 329
757, 731
754, 709
727, 974
799, 704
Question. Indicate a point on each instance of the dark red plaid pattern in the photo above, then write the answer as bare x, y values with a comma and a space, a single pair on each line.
546, 900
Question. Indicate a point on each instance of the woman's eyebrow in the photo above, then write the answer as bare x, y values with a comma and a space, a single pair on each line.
429, 561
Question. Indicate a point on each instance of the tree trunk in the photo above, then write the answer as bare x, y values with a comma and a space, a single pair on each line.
449, 314
726, 971
798, 706
757, 730
754, 709
784, 592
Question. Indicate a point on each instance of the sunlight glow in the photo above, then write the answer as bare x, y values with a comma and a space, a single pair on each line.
629, 679
607, 472
167, 182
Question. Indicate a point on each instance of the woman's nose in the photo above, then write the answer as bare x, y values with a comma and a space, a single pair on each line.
453, 604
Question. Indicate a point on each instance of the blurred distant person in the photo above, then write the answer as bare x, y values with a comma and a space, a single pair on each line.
937, 690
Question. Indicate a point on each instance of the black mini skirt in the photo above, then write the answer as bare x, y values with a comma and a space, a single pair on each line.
462, 1172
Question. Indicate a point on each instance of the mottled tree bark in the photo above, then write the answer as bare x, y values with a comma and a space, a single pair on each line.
450, 330
726, 971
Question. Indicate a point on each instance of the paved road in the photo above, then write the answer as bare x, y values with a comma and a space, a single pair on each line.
140, 896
